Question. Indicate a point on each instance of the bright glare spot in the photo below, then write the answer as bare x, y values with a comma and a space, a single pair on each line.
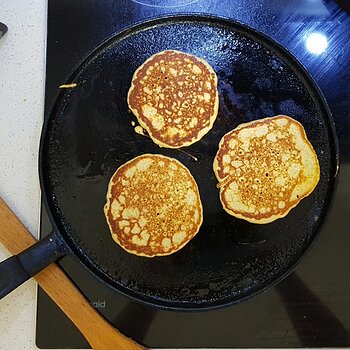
316, 43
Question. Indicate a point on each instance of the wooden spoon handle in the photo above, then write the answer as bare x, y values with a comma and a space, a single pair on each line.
97, 331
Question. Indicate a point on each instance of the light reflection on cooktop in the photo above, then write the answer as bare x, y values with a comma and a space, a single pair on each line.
165, 3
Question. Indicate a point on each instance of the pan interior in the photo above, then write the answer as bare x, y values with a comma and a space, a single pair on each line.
89, 135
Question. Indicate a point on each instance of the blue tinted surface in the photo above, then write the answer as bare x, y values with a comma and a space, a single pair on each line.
308, 309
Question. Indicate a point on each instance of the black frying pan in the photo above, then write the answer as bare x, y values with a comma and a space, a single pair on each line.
89, 135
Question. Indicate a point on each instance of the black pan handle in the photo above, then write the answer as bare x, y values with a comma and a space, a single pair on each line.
3, 29
19, 268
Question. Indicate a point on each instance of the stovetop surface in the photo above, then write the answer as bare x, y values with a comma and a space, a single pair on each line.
310, 307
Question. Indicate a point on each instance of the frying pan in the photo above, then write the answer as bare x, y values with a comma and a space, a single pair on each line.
89, 135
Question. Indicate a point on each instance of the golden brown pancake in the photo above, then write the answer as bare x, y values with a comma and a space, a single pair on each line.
175, 98
153, 206
265, 168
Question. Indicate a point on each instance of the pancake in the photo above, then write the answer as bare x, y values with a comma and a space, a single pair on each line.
153, 206
265, 168
175, 98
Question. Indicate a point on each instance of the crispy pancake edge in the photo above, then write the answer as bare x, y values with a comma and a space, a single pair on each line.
222, 180
203, 131
107, 206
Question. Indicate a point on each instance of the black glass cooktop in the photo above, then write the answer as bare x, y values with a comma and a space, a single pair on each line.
310, 308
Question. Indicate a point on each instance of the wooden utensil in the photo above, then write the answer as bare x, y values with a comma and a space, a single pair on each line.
97, 331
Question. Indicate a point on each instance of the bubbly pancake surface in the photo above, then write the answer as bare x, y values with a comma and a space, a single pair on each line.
153, 206
175, 98
265, 168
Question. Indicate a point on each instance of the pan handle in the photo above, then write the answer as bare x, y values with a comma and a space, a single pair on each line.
19, 268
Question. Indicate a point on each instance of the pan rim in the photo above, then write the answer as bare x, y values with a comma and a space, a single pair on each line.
213, 21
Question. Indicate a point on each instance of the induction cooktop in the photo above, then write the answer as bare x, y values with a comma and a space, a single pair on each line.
310, 308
